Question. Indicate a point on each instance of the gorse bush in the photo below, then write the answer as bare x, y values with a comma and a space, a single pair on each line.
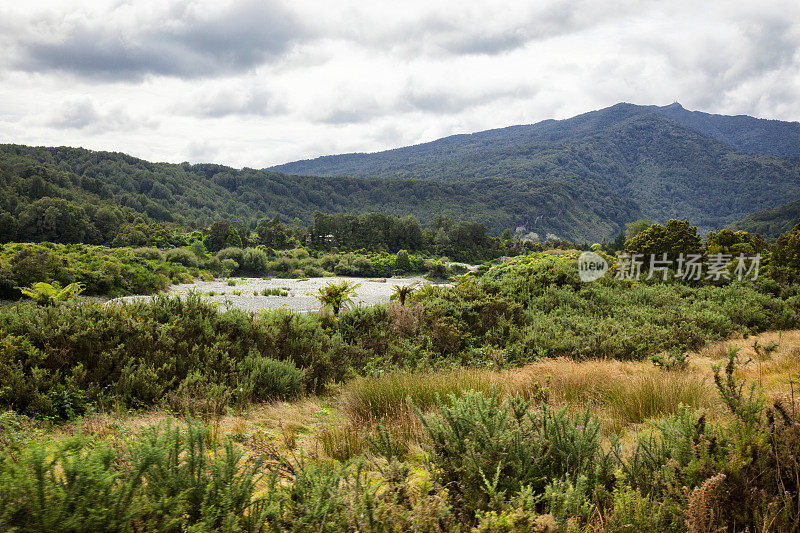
537, 307
485, 450
138, 353
63, 359
170, 479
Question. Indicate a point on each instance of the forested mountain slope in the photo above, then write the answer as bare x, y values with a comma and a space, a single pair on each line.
771, 223
96, 191
656, 156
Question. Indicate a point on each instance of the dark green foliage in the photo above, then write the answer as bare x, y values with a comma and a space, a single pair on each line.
771, 223
485, 450
54, 361
125, 204
71, 486
101, 270
675, 238
170, 479
786, 259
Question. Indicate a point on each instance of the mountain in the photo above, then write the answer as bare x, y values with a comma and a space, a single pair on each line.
104, 188
756, 135
671, 162
580, 179
771, 223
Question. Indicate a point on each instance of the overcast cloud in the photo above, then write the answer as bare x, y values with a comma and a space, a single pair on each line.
256, 83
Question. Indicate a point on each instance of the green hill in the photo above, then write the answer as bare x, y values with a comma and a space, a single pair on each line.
771, 223
107, 188
655, 156
579, 179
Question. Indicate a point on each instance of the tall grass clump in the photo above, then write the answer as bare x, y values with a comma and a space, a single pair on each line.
368, 400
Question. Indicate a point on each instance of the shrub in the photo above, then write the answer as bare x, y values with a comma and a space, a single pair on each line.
484, 448
402, 262
169, 479
269, 379
254, 261
182, 256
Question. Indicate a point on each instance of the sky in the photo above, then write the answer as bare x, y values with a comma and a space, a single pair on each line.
252, 83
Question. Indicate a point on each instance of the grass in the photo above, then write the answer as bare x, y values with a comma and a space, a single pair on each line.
620, 393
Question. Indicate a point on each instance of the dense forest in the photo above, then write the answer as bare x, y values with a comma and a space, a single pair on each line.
77, 195
660, 158
770, 222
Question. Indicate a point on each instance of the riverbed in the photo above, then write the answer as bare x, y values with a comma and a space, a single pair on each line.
298, 294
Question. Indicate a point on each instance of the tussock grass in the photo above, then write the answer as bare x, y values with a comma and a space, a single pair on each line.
367, 401
621, 393
653, 395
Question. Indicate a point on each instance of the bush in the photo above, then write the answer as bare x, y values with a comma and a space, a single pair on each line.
101, 270
169, 479
484, 449
402, 262
269, 379
182, 256
138, 354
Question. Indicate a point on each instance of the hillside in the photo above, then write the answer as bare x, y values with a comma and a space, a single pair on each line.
657, 156
771, 223
106, 188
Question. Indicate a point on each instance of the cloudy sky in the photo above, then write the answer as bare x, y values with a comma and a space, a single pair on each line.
255, 83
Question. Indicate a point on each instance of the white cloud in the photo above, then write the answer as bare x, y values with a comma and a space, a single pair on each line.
252, 83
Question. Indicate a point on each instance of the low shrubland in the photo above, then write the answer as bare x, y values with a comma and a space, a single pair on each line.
62, 358
113, 272
483, 461
523, 400
99, 269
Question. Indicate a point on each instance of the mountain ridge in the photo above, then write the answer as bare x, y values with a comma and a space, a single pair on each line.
668, 168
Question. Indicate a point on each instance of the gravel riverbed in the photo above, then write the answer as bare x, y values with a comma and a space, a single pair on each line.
246, 293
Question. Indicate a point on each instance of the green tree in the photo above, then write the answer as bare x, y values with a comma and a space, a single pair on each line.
786, 258
54, 220
8, 228
337, 296
402, 263
217, 237
675, 238
273, 234
632, 229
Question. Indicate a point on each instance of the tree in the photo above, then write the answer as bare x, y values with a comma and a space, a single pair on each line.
632, 229
786, 258
218, 235
675, 238
401, 262
401, 292
54, 220
8, 227
739, 242
337, 296
273, 234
